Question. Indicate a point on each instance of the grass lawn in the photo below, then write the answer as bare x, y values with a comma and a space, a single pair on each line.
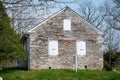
60, 74
117, 68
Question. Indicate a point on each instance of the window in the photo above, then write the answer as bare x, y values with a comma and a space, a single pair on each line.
53, 48
81, 48
67, 24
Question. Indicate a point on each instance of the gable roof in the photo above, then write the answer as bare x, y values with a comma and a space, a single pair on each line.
55, 14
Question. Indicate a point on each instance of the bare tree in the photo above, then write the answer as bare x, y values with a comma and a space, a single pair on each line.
24, 13
27, 13
114, 14
101, 18
111, 41
92, 14
112, 37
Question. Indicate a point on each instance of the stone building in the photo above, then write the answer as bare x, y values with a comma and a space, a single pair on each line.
55, 42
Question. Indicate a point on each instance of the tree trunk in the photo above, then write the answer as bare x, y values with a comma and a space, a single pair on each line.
110, 58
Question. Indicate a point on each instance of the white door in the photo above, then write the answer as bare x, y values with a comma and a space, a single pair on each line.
53, 48
81, 48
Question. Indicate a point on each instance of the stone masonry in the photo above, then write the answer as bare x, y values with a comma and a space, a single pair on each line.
52, 29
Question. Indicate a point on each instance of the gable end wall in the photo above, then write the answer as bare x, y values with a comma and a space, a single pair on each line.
53, 30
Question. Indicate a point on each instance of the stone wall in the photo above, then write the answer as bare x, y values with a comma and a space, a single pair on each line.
53, 30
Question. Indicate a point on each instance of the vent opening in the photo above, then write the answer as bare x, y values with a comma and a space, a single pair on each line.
85, 66
49, 67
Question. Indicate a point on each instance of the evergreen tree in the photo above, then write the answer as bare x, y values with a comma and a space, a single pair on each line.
10, 44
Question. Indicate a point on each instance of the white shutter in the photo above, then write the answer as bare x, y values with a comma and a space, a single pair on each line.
67, 24
81, 48
53, 48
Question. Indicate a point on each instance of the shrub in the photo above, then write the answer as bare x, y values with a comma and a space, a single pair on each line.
108, 68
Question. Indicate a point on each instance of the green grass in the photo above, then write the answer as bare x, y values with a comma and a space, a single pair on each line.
60, 74
117, 68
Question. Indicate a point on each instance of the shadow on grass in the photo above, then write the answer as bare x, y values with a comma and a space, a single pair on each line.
11, 69
69, 70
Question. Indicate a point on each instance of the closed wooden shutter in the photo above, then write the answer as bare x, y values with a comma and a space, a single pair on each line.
67, 24
53, 48
81, 48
